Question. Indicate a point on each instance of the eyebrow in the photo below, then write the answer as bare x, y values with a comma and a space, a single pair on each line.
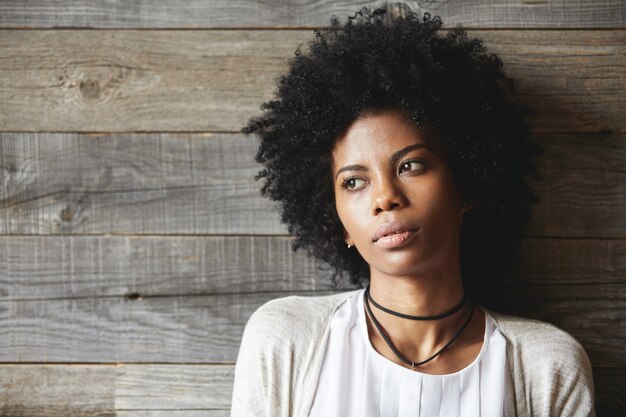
393, 159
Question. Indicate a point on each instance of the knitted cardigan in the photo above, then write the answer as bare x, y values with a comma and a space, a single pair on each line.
283, 345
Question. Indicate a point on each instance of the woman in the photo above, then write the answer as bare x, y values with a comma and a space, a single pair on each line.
401, 163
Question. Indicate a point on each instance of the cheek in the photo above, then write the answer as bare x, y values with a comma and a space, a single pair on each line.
444, 204
345, 219
341, 213
350, 219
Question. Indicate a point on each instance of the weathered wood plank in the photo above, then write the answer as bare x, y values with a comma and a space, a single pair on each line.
565, 78
180, 390
184, 184
115, 390
174, 413
248, 13
198, 329
215, 80
57, 390
573, 165
166, 387
204, 183
582, 151
183, 328
560, 261
35, 268
580, 203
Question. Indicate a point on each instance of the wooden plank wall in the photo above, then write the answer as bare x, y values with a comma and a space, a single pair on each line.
134, 244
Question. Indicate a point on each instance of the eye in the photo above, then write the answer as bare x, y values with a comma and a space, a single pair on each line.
351, 183
411, 165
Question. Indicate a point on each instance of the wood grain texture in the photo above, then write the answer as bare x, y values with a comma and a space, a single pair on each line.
167, 80
183, 328
98, 266
115, 390
204, 184
248, 13
167, 390
174, 387
57, 390
610, 386
34, 268
175, 413
161, 183
171, 329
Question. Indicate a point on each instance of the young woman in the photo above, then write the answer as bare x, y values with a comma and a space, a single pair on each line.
401, 163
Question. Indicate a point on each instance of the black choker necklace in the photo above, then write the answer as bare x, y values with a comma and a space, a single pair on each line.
448, 313
366, 295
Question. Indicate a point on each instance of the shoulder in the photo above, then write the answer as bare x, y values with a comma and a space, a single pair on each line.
278, 350
310, 304
548, 365
539, 340
292, 316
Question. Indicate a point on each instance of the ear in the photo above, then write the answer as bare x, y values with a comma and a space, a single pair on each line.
347, 238
468, 201
468, 205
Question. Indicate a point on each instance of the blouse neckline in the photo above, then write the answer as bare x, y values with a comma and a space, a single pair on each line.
379, 357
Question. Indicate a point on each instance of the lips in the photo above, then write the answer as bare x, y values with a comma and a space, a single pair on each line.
393, 234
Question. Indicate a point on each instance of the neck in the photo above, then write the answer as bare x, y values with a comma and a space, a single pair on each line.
417, 296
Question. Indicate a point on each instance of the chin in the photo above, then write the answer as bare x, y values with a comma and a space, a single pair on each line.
402, 264
398, 270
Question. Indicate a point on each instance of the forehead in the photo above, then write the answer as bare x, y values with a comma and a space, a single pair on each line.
379, 134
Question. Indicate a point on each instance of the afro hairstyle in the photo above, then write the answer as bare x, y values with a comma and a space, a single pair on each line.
447, 83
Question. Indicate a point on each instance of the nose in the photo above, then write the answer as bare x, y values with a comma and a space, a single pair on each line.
386, 196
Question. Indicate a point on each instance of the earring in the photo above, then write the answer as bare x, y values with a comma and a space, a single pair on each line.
349, 246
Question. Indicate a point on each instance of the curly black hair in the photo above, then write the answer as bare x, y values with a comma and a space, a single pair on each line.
448, 84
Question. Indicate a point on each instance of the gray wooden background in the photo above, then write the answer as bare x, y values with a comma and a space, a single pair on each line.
134, 243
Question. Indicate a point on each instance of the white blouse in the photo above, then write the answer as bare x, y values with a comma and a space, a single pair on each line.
357, 381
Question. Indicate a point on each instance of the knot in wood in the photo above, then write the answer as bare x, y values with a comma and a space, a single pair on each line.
133, 296
67, 214
90, 89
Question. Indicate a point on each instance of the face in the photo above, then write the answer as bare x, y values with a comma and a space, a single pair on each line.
389, 172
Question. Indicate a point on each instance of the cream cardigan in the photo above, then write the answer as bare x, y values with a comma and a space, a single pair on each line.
283, 345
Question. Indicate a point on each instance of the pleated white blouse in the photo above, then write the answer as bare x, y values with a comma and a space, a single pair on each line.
357, 381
